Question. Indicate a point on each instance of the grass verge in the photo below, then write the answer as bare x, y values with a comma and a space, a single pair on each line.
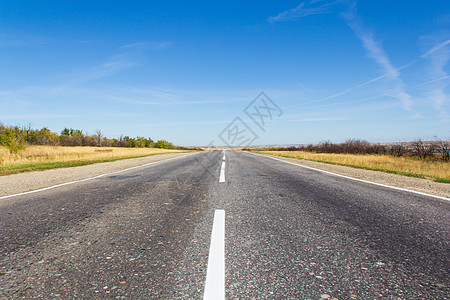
367, 162
43, 165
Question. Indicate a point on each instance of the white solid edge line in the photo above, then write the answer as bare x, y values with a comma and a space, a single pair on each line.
356, 179
222, 173
215, 274
90, 178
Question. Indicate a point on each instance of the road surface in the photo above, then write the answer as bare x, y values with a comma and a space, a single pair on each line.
286, 233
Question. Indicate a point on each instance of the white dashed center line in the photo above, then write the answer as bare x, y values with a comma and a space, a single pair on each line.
222, 173
215, 274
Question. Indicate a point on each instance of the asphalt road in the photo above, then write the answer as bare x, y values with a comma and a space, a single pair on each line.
290, 233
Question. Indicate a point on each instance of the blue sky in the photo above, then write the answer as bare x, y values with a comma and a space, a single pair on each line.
183, 70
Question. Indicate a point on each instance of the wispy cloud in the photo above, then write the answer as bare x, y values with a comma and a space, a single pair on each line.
341, 112
153, 45
109, 67
153, 96
437, 72
377, 53
438, 56
434, 80
184, 123
356, 87
148, 92
12, 98
21, 41
397, 89
306, 8
160, 45
435, 48
134, 45
163, 96
416, 116
438, 96
319, 119
36, 116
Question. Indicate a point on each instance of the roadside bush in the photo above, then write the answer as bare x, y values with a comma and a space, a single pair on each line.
350, 146
42, 137
444, 149
420, 149
424, 150
16, 138
163, 144
398, 150
13, 139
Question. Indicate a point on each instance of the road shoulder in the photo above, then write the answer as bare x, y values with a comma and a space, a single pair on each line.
404, 182
24, 182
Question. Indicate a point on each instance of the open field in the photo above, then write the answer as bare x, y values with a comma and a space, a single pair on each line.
35, 158
436, 170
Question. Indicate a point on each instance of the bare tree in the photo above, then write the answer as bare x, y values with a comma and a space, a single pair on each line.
98, 138
27, 129
443, 148
419, 149
398, 150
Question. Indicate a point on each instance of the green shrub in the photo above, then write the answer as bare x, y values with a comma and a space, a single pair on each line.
163, 144
13, 139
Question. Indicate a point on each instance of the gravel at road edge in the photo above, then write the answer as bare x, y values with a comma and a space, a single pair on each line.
18, 183
405, 182
24, 182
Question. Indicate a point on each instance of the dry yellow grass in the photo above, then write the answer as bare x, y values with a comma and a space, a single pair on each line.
37, 154
428, 168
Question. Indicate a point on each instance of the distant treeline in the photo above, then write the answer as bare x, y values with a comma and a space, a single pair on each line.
15, 138
420, 149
